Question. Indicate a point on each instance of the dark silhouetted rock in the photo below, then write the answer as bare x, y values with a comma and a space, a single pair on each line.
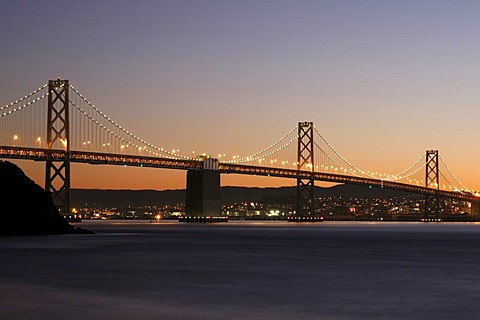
26, 208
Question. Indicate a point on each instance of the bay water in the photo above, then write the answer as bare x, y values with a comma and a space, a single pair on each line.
244, 270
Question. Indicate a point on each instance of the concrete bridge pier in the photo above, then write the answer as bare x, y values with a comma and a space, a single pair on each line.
476, 208
203, 194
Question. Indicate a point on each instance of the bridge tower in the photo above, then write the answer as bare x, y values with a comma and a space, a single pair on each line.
57, 176
305, 161
432, 201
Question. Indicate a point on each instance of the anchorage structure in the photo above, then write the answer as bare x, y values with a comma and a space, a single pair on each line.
432, 201
305, 185
57, 176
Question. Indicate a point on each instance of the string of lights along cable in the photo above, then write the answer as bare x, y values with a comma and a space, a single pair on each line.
24, 128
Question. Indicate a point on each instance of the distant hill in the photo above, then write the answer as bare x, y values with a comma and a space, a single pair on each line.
120, 198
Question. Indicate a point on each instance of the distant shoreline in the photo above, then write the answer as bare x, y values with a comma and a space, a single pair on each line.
400, 220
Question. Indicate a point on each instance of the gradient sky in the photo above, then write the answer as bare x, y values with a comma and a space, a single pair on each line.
382, 80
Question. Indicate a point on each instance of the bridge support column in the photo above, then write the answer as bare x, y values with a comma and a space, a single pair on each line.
432, 201
475, 208
203, 193
57, 175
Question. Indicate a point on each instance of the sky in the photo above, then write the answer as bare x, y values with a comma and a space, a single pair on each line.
383, 81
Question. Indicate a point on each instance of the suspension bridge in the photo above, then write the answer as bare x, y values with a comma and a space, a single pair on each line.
58, 125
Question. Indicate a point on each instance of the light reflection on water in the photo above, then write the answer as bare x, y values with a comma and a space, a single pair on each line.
244, 270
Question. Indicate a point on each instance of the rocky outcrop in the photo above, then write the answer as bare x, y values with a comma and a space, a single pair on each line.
26, 208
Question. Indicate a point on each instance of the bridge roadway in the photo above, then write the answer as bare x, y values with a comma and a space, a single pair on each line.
40, 154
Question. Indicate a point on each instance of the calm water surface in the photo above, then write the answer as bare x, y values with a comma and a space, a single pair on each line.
244, 270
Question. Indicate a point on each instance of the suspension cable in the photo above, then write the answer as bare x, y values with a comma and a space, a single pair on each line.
26, 97
256, 156
126, 131
118, 136
454, 177
24, 106
335, 151
413, 165
394, 177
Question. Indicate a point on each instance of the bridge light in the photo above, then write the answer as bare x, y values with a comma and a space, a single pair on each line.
64, 142
15, 138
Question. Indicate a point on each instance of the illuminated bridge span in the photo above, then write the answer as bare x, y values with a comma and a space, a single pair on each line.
58, 125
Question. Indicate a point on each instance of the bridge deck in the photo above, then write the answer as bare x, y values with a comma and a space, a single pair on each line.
168, 163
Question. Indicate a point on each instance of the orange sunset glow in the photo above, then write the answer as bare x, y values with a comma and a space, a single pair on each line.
382, 85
